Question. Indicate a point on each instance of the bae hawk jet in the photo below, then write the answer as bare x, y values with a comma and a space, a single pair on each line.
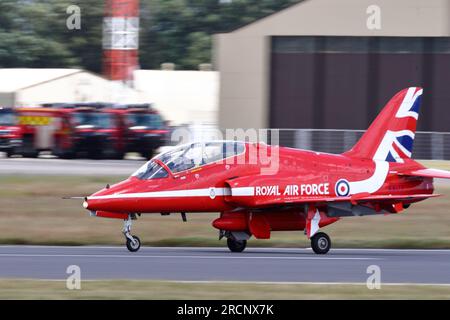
308, 191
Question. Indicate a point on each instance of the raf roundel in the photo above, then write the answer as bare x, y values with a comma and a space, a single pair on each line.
342, 188
212, 193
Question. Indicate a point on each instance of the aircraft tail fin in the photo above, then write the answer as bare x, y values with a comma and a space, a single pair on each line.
391, 136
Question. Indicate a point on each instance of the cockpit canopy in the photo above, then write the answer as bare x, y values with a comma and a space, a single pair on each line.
189, 156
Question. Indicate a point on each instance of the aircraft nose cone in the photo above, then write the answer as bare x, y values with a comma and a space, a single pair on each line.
95, 204
108, 198
85, 203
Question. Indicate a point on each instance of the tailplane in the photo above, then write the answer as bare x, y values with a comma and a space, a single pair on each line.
391, 136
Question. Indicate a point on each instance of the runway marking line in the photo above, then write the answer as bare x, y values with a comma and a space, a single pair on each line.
309, 283
243, 282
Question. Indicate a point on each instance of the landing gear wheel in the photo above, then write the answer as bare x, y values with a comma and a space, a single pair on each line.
133, 242
320, 243
236, 245
133, 246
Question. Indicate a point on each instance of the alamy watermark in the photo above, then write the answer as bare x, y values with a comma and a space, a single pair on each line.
73, 21
223, 147
73, 281
373, 21
374, 279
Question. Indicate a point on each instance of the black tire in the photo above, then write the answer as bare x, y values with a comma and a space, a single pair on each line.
62, 153
148, 155
119, 155
133, 247
28, 150
30, 154
236, 245
97, 155
67, 155
320, 243
10, 153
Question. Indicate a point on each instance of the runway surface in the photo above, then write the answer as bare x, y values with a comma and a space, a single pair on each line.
218, 264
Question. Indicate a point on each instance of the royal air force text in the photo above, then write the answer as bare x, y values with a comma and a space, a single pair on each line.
294, 190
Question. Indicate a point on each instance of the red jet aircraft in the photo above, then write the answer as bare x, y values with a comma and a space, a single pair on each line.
308, 191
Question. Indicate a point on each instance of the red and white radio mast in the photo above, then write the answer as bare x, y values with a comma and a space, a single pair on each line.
121, 39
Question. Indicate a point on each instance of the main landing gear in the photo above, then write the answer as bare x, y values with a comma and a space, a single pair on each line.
236, 241
320, 243
236, 245
133, 243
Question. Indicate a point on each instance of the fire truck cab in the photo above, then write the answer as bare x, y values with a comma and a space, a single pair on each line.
145, 129
10, 132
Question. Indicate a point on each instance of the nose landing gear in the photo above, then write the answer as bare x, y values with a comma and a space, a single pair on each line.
133, 243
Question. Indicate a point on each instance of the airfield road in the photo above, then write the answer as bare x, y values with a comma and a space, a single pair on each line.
218, 264
76, 167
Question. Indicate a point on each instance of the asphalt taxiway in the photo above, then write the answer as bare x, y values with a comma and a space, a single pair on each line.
218, 264
61, 167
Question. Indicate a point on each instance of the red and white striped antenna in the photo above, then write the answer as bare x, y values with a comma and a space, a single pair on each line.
121, 40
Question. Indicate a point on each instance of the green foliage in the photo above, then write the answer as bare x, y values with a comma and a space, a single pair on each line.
33, 33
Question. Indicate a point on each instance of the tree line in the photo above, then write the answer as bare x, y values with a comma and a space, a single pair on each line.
33, 33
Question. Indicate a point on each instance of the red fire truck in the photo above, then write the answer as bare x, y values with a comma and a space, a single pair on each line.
95, 130
145, 129
10, 132
70, 130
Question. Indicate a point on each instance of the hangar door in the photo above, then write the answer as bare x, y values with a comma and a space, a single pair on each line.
342, 82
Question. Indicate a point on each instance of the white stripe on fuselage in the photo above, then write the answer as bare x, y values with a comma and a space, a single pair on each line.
243, 191
371, 185
375, 182
168, 194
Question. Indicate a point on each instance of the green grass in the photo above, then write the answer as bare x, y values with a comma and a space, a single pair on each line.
436, 164
147, 289
32, 211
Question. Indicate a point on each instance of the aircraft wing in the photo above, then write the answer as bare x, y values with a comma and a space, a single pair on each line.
365, 197
427, 173
259, 202
391, 198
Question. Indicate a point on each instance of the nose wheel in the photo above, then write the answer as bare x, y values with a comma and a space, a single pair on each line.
133, 243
